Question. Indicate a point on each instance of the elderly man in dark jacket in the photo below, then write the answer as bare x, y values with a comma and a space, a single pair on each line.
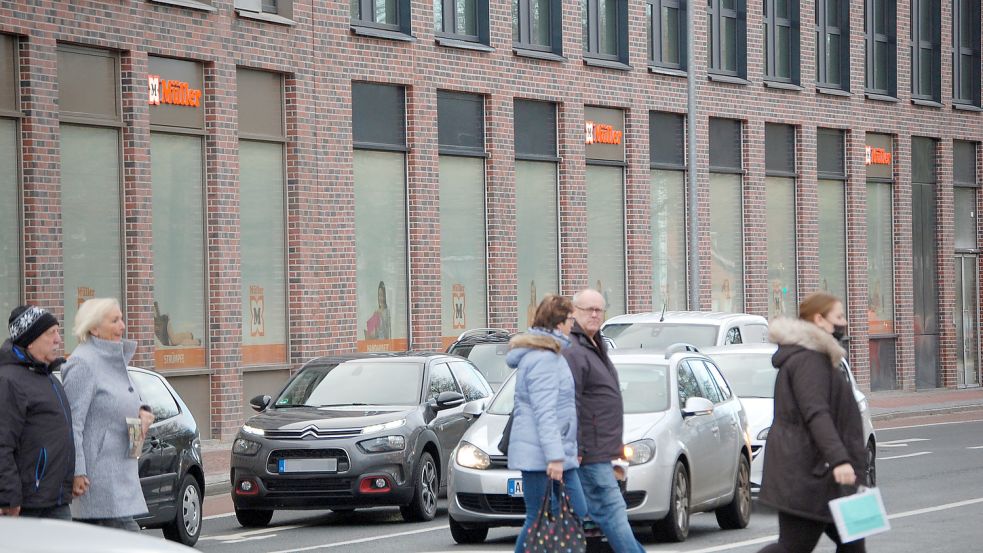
37, 450
600, 419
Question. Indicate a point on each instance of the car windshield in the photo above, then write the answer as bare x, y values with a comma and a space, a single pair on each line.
644, 389
489, 357
355, 383
748, 375
660, 335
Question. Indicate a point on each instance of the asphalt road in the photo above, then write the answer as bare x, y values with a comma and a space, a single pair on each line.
931, 478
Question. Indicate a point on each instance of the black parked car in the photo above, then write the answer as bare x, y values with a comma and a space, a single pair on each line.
170, 465
486, 348
360, 430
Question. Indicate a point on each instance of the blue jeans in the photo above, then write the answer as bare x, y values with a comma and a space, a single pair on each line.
534, 487
607, 507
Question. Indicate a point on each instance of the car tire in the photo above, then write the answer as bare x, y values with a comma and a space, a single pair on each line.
426, 482
675, 527
736, 514
467, 535
186, 526
871, 476
253, 518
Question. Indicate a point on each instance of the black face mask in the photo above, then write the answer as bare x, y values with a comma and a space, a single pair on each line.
839, 331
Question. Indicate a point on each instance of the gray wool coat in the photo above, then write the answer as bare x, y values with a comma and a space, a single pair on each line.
102, 397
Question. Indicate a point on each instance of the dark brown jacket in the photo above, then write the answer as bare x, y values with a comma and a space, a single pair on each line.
817, 423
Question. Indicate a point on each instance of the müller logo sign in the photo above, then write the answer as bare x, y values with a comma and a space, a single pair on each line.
878, 156
178, 93
599, 133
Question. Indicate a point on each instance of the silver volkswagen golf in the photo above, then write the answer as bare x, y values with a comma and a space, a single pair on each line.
686, 443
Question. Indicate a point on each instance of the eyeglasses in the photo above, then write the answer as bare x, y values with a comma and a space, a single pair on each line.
591, 310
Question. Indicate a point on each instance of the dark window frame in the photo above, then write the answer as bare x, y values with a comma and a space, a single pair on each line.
772, 24
717, 13
266, 10
524, 40
824, 30
592, 32
403, 19
958, 52
448, 30
656, 57
930, 40
889, 40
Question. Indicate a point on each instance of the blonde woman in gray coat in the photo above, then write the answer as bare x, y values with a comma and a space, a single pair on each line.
107, 482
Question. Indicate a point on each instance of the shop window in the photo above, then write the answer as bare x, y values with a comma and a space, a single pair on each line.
179, 250
90, 193
781, 40
926, 50
668, 210
780, 207
537, 25
880, 244
881, 44
10, 263
381, 279
966, 184
728, 37
461, 20
966, 52
833, 44
832, 212
666, 33
726, 217
385, 15
537, 250
605, 25
605, 235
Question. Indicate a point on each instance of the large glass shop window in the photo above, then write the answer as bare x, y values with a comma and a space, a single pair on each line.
179, 250
726, 217
668, 239
880, 233
261, 189
831, 193
536, 235
90, 200
10, 266
780, 208
606, 235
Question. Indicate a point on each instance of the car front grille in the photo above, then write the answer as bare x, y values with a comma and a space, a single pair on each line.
313, 433
755, 450
335, 487
273, 463
492, 503
498, 461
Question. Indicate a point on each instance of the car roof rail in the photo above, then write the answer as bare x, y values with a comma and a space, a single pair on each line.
680, 346
482, 332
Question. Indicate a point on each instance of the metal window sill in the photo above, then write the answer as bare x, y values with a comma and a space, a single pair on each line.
667, 71
926, 103
729, 79
463, 44
267, 17
966, 107
834, 91
537, 54
881, 97
191, 4
606, 64
382, 33
782, 85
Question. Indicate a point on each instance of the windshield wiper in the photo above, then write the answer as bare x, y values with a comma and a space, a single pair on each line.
356, 404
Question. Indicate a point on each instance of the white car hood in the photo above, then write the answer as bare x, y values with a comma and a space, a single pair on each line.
637, 425
760, 412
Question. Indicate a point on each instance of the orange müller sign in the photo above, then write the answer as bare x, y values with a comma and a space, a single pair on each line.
599, 133
877, 156
178, 93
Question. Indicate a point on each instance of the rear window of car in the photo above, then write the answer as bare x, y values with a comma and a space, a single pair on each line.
748, 375
489, 358
355, 383
660, 335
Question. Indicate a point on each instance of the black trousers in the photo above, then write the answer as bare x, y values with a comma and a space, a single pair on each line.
800, 535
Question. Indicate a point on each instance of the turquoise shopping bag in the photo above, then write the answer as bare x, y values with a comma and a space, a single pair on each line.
859, 515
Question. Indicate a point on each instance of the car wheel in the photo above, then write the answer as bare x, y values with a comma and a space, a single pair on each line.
871, 463
736, 514
253, 518
423, 506
464, 534
186, 526
675, 527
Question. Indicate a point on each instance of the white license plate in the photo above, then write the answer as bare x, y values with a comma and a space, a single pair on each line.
308, 465
515, 487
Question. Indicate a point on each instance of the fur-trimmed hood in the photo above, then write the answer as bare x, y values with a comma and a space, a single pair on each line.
535, 341
785, 331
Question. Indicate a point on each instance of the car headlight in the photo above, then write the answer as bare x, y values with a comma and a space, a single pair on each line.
254, 431
383, 444
642, 451
763, 435
243, 446
372, 429
471, 456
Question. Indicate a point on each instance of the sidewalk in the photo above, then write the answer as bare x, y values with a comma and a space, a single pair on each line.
884, 406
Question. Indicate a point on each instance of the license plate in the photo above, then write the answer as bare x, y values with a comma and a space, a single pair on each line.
515, 487
308, 465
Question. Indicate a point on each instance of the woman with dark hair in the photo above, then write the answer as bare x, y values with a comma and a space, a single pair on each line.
377, 327
815, 446
543, 440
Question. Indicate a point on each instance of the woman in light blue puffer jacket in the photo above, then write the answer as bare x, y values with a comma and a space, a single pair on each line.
543, 440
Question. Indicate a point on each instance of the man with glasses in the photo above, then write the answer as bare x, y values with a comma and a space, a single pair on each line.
600, 420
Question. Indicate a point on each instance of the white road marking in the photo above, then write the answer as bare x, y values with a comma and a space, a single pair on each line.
212, 517
904, 441
728, 546
251, 538
975, 447
905, 456
250, 533
363, 540
924, 425
936, 508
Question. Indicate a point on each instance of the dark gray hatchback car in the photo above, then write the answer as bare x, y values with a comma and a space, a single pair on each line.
362, 430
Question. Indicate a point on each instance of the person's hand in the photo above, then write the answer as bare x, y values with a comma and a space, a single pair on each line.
146, 419
80, 485
554, 470
10, 511
844, 475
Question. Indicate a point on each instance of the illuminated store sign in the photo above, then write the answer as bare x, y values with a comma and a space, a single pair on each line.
599, 133
178, 93
877, 156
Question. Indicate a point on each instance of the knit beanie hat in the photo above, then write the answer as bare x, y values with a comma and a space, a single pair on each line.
28, 323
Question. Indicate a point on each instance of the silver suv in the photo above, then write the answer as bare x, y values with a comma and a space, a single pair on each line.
659, 330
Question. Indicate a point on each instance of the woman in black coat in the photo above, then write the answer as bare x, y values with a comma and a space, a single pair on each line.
815, 446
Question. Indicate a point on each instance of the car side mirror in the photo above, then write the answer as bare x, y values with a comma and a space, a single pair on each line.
260, 402
696, 406
449, 400
475, 408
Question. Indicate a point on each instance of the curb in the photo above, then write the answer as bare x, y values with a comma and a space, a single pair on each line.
895, 415
217, 487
